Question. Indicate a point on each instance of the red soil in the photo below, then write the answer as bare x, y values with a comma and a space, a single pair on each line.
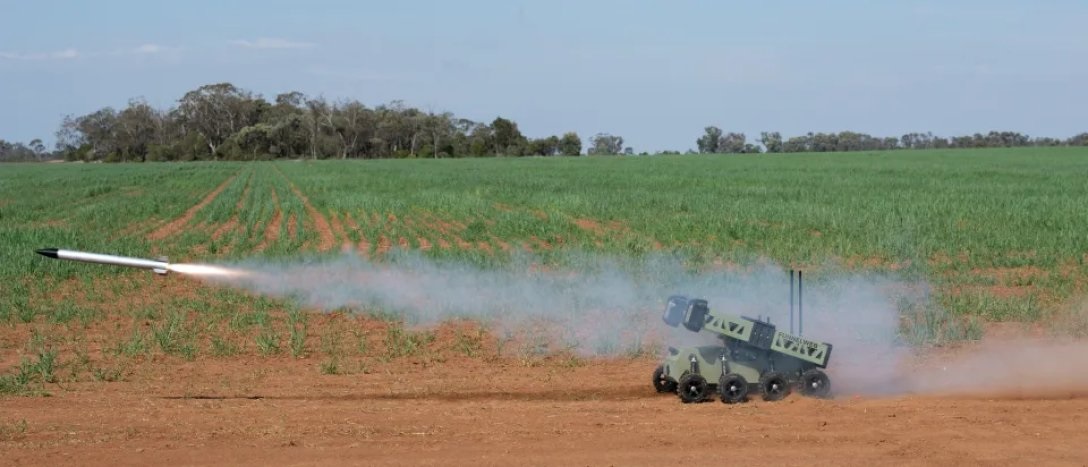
504, 246
461, 243
590, 226
364, 244
250, 411
326, 239
338, 230
232, 224
292, 227
441, 407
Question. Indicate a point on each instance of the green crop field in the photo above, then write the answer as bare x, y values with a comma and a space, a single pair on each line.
1001, 234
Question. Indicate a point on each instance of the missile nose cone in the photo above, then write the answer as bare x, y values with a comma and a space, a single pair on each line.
47, 252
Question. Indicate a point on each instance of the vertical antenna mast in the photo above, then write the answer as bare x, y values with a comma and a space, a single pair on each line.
791, 301
800, 304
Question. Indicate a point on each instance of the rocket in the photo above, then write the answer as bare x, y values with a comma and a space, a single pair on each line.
159, 266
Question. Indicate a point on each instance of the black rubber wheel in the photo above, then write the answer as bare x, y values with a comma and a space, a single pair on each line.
733, 388
693, 388
773, 386
815, 383
661, 383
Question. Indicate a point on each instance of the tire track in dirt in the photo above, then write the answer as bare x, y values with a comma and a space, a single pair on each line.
176, 225
326, 238
272, 230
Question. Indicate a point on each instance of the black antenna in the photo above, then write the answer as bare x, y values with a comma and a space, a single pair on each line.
800, 314
791, 301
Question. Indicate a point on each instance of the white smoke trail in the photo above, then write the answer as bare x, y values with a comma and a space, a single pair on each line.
600, 305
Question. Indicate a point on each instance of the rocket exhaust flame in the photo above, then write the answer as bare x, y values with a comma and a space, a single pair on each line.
206, 270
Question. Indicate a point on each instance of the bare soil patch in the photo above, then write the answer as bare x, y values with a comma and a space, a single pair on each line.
590, 226
248, 411
597, 227
424, 244
384, 244
1010, 275
461, 243
459, 401
503, 245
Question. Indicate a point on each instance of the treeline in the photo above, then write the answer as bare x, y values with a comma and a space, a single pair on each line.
223, 122
714, 141
19, 152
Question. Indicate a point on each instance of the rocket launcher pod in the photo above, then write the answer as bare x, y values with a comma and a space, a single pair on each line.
695, 315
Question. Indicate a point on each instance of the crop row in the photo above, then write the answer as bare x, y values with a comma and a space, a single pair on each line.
999, 232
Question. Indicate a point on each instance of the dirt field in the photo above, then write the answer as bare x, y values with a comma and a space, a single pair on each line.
464, 411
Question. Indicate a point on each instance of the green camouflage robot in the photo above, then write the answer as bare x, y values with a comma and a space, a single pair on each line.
754, 357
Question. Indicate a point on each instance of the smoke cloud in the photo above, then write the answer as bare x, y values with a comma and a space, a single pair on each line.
598, 305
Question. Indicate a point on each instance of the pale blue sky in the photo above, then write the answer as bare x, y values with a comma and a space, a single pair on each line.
654, 72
